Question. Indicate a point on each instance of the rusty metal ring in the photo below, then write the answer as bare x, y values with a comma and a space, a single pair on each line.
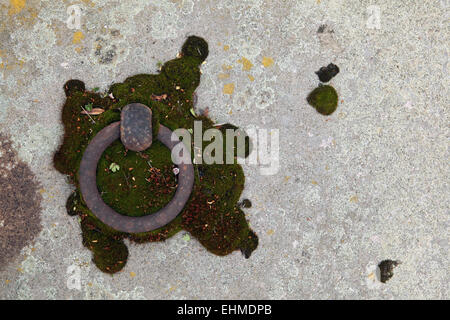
91, 195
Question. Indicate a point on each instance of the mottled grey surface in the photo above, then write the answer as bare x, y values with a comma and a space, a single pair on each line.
366, 184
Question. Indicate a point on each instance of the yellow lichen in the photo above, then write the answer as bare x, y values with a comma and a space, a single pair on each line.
246, 64
77, 37
15, 6
267, 62
226, 67
228, 88
88, 2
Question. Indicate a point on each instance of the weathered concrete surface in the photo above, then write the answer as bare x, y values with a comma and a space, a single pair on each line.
366, 184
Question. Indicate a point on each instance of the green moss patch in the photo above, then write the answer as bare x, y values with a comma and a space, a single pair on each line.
324, 99
141, 183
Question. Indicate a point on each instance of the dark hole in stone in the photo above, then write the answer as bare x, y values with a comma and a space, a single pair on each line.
387, 269
327, 73
322, 28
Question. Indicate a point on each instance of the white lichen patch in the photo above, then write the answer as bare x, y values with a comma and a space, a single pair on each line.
312, 195
35, 46
166, 21
33, 265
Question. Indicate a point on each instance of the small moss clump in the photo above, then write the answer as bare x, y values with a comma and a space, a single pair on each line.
141, 183
327, 73
195, 47
387, 269
324, 99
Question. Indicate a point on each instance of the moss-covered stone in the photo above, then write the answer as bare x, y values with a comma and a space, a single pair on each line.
144, 182
324, 99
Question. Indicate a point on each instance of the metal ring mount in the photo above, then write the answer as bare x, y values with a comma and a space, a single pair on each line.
126, 130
